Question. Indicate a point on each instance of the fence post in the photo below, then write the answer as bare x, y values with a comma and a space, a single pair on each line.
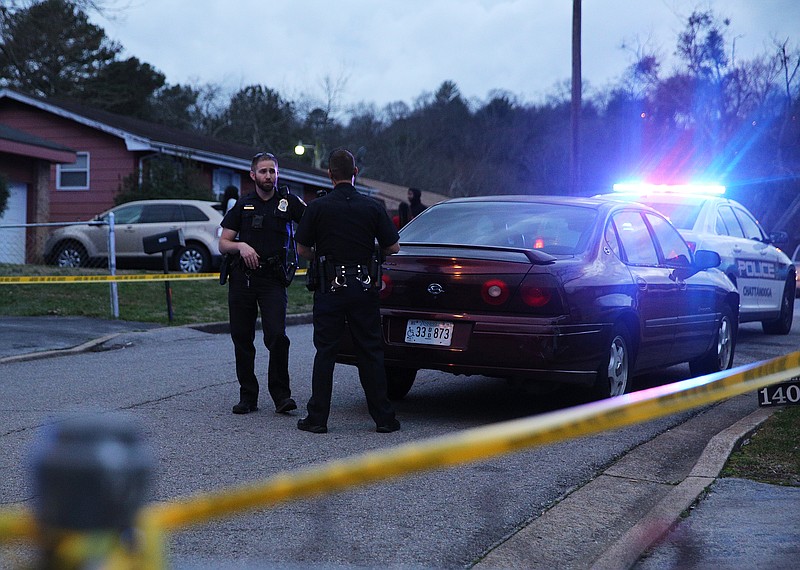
112, 265
91, 475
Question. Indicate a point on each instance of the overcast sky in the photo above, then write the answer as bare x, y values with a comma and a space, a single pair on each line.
394, 51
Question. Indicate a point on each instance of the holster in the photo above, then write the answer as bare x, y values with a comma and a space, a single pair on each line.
376, 267
283, 271
224, 268
312, 276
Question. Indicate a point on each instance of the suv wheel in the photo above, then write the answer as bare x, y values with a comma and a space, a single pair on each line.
70, 254
193, 258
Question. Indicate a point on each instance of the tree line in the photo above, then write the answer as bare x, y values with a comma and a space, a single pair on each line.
712, 117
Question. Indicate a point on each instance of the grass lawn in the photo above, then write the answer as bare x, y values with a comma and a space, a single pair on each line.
772, 454
193, 301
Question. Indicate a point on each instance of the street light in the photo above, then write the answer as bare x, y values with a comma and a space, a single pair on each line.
300, 150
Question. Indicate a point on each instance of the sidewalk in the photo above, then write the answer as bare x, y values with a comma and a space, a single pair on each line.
637, 503
631, 515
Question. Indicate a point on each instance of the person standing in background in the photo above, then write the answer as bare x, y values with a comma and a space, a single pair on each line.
229, 198
409, 211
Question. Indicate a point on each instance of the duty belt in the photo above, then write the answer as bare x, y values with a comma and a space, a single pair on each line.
358, 271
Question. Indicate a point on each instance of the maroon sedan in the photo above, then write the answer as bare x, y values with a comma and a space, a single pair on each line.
588, 292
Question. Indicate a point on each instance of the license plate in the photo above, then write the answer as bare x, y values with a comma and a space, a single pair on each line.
439, 333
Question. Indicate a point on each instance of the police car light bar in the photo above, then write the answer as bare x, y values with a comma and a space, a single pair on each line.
642, 188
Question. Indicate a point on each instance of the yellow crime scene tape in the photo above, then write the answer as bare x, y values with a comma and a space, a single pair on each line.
472, 445
36, 279
476, 444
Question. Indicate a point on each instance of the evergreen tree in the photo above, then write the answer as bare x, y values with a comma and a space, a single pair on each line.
50, 49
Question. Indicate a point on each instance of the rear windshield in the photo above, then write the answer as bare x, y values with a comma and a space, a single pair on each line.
682, 216
552, 228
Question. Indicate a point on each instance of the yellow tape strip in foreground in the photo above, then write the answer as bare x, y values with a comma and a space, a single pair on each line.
35, 279
471, 445
475, 444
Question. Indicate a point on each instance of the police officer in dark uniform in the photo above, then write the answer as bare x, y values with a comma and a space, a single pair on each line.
257, 237
338, 232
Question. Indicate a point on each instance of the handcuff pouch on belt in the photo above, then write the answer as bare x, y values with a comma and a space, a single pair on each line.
337, 275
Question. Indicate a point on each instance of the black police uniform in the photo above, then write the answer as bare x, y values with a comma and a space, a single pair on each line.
342, 227
265, 225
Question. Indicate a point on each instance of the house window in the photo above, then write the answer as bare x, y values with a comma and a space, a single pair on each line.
223, 178
74, 176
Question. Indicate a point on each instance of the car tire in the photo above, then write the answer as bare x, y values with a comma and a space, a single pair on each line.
399, 381
720, 355
783, 324
70, 254
193, 258
614, 374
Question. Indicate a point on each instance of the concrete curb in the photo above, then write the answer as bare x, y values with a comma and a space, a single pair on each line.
88, 345
629, 548
222, 327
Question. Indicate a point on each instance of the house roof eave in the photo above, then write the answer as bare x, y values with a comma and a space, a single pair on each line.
143, 143
132, 142
19, 143
227, 161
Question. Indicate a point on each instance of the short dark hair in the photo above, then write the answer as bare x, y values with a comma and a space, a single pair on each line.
262, 156
342, 164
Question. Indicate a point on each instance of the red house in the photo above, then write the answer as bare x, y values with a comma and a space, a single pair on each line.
65, 162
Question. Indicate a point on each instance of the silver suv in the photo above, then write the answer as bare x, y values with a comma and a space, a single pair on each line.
80, 244
763, 274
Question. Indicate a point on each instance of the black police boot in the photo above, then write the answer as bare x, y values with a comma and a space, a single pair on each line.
244, 407
390, 427
286, 406
306, 425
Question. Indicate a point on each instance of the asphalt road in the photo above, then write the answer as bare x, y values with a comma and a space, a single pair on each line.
178, 382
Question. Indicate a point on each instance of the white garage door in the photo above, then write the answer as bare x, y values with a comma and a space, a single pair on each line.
12, 240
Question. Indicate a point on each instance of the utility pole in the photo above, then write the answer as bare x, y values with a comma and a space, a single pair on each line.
575, 108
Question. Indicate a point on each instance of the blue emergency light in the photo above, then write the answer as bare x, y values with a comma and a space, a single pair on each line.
645, 188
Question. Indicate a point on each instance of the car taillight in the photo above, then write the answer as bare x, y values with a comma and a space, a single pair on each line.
386, 286
540, 292
495, 292
535, 296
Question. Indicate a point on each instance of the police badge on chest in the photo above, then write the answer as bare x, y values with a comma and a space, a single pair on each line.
283, 205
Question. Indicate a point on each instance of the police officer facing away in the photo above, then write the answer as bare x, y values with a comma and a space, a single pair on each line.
257, 234
338, 232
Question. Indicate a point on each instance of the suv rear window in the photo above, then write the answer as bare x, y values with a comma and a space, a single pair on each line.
161, 213
194, 214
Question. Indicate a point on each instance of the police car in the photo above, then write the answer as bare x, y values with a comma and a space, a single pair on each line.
763, 274
796, 261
